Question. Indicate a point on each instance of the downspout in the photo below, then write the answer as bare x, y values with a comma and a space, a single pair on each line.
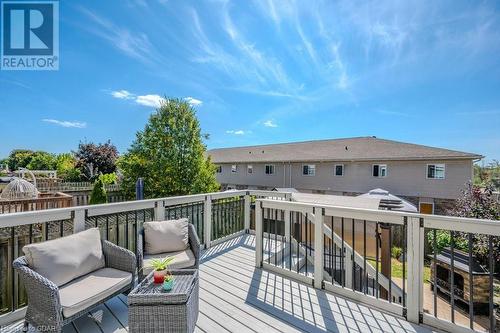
284, 174
290, 171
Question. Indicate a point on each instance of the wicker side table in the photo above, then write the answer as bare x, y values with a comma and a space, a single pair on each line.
151, 309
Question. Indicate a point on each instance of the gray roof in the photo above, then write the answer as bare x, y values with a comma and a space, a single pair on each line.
348, 149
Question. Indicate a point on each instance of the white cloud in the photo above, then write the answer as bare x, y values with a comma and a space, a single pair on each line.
122, 94
65, 123
193, 101
270, 123
150, 100
238, 132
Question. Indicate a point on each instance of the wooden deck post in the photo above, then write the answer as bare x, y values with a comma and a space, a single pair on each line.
207, 220
318, 247
258, 234
160, 210
248, 202
415, 271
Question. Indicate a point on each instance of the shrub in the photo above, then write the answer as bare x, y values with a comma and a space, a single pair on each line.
98, 195
396, 252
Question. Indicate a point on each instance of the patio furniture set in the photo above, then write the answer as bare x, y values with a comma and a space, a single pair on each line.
65, 278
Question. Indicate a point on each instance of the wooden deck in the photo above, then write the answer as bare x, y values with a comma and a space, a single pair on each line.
237, 297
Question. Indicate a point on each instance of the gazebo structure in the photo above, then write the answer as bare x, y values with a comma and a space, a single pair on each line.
21, 195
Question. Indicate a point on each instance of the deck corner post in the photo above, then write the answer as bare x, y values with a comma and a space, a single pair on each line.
258, 233
318, 247
78, 220
415, 270
248, 202
159, 210
207, 220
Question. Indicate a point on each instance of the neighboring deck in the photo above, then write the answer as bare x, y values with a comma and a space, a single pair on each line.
237, 297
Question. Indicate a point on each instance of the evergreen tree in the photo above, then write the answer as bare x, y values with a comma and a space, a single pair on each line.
98, 195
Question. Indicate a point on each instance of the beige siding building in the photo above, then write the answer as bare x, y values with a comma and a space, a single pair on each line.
429, 177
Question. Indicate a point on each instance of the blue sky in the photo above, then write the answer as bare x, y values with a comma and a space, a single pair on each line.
266, 71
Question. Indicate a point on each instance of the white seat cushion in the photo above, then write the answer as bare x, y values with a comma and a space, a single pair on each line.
65, 259
90, 289
166, 236
183, 259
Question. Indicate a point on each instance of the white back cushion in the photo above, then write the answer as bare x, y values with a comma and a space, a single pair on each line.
166, 236
64, 259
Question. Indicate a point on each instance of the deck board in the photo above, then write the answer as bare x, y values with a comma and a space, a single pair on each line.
236, 297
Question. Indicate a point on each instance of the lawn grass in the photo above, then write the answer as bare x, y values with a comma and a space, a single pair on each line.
397, 269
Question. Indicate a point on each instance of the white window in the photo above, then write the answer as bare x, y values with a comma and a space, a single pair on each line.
339, 170
249, 168
219, 169
435, 171
379, 170
234, 168
270, 169
309, 169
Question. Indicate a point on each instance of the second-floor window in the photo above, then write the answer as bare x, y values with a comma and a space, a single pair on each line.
435, 171
269, 169
219, 169
309, 169
234, 168
249, 168
338, 170
379, 170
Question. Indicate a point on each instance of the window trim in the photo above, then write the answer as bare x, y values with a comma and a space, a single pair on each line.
269, 174
434, 178
249, 167
335, 170
235, 169
308, 175
379, 165
219, 169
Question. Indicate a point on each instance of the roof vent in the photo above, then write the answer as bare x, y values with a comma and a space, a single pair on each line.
346, 148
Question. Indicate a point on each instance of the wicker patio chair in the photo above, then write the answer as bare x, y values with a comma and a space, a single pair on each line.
181, 261
45, 312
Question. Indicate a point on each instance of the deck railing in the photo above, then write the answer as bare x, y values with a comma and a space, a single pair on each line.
384, 259
216, 216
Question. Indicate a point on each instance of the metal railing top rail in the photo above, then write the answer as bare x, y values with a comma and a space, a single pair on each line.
41, 216
453, 223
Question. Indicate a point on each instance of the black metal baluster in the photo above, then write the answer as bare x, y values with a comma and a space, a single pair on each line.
491, 271
471, 287
405, 224
333, 247
290, 215
452, 276
342, 255
306, 226
377, 240
434, 275
390, 264
353, 257
365, 274
117, 229
61, 228
127, 245
107, 227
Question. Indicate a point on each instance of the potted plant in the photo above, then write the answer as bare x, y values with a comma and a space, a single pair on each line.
168, 282
160, 267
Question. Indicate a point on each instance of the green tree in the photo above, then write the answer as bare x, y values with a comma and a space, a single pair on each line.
19, 158
169, 154
41, 160
66, 168
98, 195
